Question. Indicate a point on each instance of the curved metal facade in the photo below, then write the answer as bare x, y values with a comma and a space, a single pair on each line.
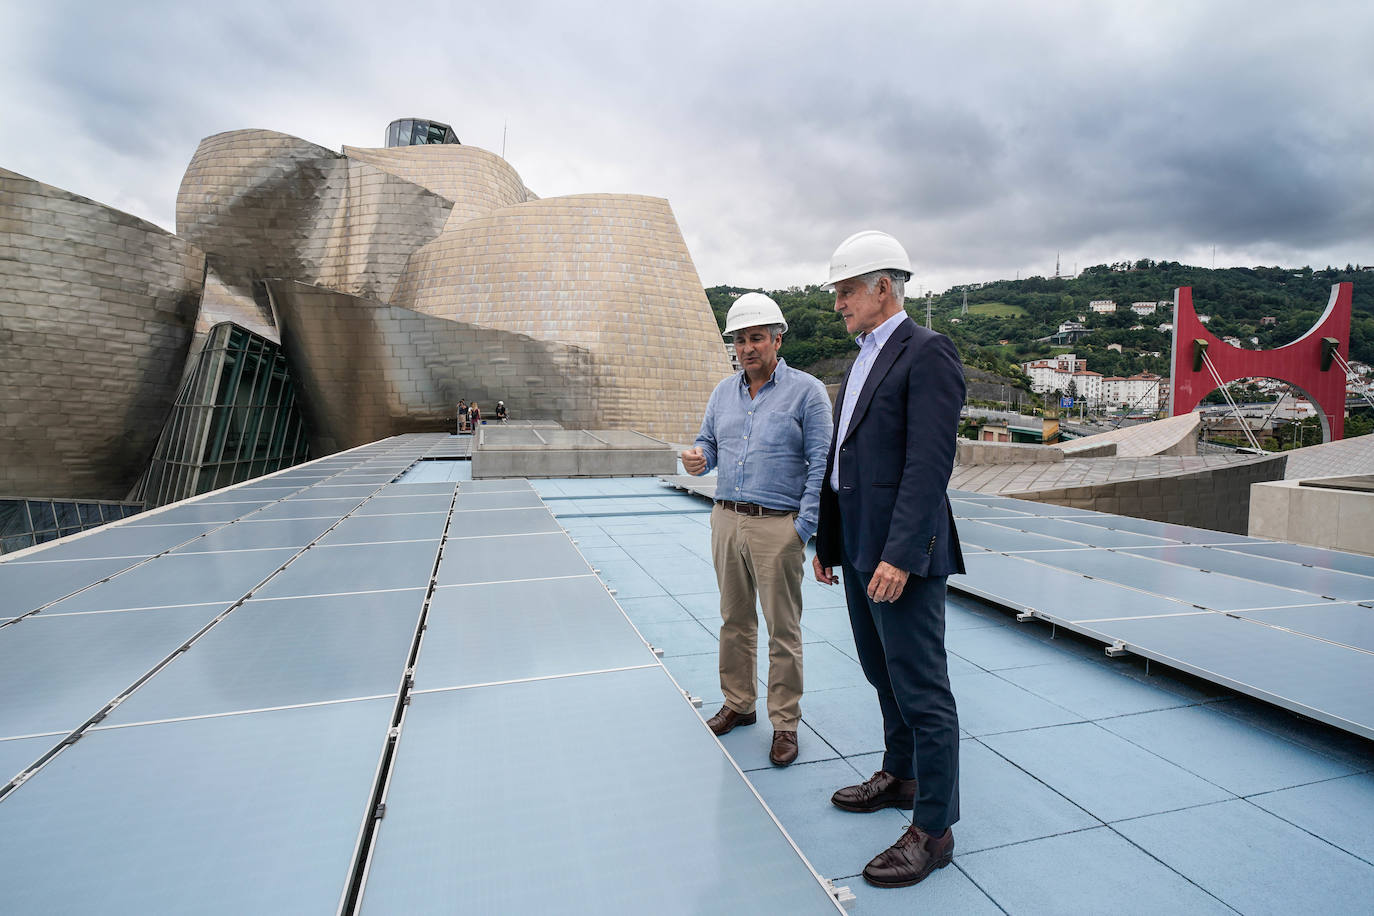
368, 370
396, 280
96, 315
265, 204
608, 272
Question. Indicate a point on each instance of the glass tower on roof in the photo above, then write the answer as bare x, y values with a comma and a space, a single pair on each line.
418, 132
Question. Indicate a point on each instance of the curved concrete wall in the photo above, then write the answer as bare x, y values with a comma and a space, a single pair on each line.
96, 314
367, 370
608, 272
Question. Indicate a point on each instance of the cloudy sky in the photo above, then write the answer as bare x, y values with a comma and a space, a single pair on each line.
987, 136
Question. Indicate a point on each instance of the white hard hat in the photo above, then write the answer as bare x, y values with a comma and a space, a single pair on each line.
865, 252
753, 309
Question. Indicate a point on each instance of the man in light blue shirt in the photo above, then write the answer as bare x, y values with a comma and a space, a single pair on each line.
767, 431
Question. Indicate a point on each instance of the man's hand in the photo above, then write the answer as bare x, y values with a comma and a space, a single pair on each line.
824, 574
694, 460
887, 583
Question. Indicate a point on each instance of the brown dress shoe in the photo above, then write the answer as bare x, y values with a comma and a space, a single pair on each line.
910, 859
784, 748
725, 720
881, 790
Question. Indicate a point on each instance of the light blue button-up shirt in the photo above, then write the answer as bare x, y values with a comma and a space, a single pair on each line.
870, 345
770, 449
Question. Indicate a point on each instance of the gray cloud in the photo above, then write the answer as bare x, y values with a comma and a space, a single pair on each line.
988, 137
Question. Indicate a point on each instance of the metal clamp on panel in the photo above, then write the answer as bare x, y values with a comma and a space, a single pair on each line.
843, 895
1117, 649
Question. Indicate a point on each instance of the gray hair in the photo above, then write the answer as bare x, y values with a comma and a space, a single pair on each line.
774, 330
870, 280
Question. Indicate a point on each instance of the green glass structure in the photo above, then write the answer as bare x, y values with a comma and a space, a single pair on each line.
235, 417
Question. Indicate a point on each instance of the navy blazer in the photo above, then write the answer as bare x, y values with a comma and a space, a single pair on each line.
898, 454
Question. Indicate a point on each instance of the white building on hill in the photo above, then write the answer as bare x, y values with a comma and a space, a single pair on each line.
1102, 306
1144, 391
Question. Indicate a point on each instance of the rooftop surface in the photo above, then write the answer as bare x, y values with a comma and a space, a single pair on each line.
1089, 785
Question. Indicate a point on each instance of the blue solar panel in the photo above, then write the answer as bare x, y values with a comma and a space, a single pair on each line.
1074, 530
237, 814
300, 507
493, 486
606, 835
122, 541
1310, 556
331, 490
58, 671
1320, 679
1348, 624
181, 579
1208, 590
194, 512
483, 633
534, 556
964, 508
1165, 530
1008, 540
19, 753
489, 522
511, 499
355, 568
1325, 582
285, 652
1062, 595
29, 585
387, 504
363, 529
251, 535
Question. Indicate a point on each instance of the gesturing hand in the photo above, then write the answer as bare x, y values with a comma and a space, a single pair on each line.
694, 460
887, 583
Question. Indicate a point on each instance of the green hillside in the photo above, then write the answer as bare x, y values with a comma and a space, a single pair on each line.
1021, 311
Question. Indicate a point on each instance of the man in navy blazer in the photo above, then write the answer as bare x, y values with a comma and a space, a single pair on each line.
885, 520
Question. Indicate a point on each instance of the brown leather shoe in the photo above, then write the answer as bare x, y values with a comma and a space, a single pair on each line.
784, 749
725, 720
881, 790
910, 859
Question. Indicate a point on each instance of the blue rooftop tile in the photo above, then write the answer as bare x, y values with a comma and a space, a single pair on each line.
988, 705
848, 719
680, 637
1091, 690
1088, 872
1255, 861
838, 843
1337, 810
1224, 751
1003, 804
995, 648
1105, 774
749, 745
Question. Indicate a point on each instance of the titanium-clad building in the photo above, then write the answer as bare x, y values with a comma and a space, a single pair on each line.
314, 300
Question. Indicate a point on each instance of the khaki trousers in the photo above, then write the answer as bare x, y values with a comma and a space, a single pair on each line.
759, 557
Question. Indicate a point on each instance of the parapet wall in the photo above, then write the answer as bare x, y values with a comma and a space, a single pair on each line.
1217, 498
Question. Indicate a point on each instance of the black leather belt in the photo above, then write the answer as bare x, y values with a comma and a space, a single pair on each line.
751, 509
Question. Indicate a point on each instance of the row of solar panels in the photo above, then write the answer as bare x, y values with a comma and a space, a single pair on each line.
1288, 624
325, 671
